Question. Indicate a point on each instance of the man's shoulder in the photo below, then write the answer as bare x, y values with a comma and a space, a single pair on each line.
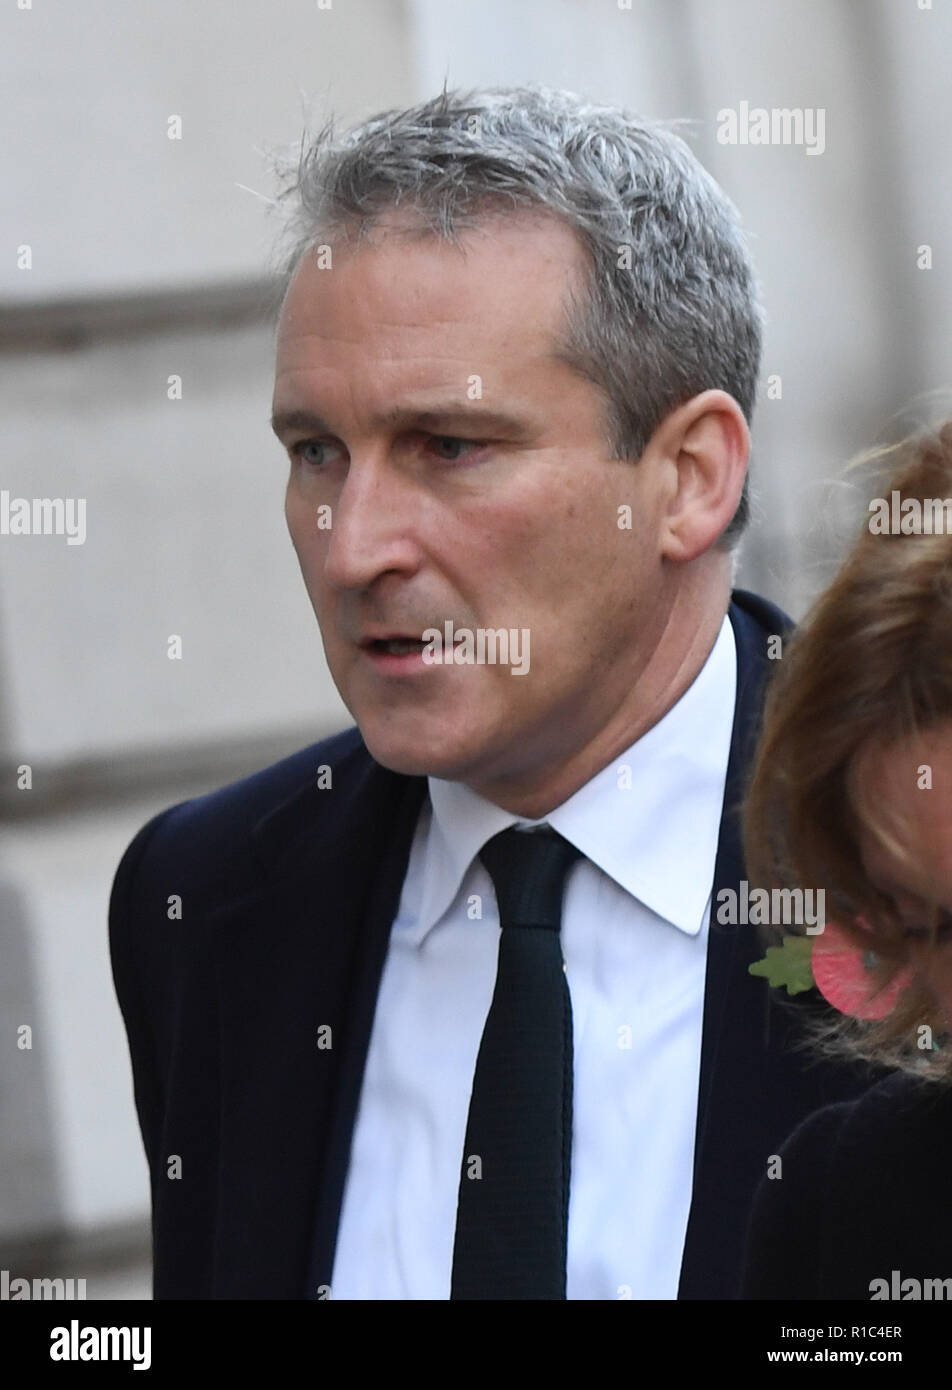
237, 808
209, 838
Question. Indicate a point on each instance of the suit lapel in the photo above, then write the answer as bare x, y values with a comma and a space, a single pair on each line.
302, 956
384, 873
735, 1005
723, 946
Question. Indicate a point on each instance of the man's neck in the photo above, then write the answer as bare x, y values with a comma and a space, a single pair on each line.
677, 659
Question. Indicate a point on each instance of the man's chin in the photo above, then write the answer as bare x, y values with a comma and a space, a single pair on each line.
423, 757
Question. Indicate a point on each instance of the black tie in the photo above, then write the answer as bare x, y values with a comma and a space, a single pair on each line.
512, 1215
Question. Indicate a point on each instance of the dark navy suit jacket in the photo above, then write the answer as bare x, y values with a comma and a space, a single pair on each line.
288, 892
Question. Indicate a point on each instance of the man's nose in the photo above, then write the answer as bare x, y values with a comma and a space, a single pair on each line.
372, 526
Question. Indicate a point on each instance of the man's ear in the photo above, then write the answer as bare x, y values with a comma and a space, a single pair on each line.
703, 447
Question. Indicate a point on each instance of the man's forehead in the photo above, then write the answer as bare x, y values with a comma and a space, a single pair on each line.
498, 320
398, 249
410, 224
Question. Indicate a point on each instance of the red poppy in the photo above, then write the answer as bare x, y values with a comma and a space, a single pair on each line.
845, 975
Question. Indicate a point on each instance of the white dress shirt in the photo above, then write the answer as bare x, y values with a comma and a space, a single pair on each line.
634, 939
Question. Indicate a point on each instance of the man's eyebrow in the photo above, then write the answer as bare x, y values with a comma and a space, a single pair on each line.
433, 418
284, 421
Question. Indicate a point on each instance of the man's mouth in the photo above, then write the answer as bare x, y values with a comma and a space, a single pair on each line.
395, 646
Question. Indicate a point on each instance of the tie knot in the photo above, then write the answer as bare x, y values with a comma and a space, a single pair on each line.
528, 870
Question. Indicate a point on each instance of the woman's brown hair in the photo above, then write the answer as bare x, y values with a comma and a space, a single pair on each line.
871, 663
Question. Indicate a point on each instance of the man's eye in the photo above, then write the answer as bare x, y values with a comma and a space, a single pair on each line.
448, 445
321, 446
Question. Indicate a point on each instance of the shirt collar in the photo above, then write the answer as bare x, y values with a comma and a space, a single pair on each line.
650, 819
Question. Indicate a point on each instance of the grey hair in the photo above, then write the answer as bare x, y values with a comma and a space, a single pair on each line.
670, 305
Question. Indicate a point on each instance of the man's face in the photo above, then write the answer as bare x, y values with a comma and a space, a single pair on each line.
468, 480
